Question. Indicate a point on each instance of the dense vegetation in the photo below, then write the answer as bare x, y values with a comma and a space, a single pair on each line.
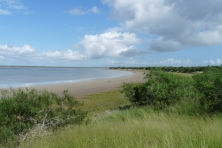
162, 90
30, 113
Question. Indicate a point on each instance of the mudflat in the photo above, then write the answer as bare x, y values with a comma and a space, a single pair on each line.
82, 88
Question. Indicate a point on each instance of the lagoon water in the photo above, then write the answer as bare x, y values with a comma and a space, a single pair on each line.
32, 76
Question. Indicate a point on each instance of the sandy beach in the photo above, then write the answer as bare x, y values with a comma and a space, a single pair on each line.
80, 89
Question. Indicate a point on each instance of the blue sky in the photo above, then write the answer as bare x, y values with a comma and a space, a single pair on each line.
103, 33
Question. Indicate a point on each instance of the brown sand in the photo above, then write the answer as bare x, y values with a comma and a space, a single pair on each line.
80, 89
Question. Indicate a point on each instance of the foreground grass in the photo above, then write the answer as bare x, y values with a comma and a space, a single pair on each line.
136, 127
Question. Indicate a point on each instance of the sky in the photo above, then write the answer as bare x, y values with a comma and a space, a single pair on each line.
104, 33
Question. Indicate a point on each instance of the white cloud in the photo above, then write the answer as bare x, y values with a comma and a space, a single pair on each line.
12, 55
79, 11
108, 44
76, 11
67, 55
213, 62
219, 61
95, 9
73, 55
7, 7
210, 37
12, 50
50, 54
172, 61
177, 24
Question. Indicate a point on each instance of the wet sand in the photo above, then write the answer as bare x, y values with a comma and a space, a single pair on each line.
80, 89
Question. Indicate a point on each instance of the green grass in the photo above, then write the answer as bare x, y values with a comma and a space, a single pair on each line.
104, 101
136, 127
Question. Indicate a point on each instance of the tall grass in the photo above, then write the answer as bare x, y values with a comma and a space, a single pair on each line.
138, 127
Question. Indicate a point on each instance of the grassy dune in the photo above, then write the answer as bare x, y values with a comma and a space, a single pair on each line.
136, 127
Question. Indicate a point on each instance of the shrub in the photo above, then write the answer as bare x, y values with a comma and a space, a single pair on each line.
22, 112
161, 89
209, 84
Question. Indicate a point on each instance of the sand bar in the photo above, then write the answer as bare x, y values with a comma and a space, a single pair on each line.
82, 88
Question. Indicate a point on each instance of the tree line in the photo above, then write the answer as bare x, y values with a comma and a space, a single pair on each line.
171, 68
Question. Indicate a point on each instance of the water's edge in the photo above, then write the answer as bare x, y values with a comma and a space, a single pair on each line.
81, 74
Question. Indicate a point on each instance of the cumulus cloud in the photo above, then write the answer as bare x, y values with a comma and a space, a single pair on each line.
213, 62
13, 55
109, 44
12, 50
210, 37
67, 55
55, 54
177, 24
79, 11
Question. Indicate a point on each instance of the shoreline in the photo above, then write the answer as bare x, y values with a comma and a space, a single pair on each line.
40, 77
83, 88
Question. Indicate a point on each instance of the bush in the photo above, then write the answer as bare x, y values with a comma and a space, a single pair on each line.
161, 89
23, 112
209, 84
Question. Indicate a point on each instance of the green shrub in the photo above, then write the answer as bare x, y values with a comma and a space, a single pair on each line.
133, 93
209, 84
22, 112
161, 89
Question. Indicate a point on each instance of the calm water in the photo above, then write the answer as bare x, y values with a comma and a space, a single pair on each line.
31, 76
